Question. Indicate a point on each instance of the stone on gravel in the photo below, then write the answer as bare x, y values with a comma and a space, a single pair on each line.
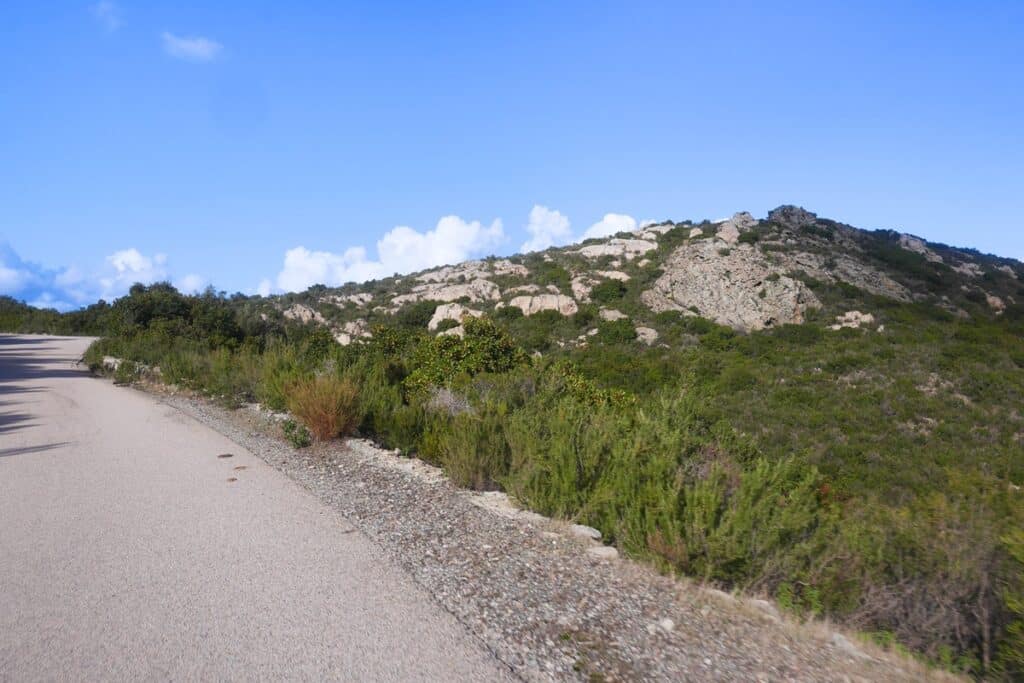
843, 644
603, 552
585, 532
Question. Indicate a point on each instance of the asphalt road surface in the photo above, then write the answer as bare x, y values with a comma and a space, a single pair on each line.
130, 550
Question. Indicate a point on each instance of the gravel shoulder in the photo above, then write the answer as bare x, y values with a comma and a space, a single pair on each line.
547, 602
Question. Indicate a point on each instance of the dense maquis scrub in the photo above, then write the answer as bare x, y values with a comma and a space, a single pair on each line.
871, 477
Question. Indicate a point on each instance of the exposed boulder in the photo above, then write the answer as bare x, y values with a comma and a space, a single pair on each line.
995, 303
655, 229
459, 332
359, 299
610, 314
647, 335
969, 268
304, 314
351, 331
473, 270
583, 284
450, 312
843, 269
852, 320
730, 230
476, 291
917, 245
739, 287
545, 302
618, 247
696, 232
523, 289
792, 217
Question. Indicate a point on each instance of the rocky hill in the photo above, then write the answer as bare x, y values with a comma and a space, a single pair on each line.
747, 273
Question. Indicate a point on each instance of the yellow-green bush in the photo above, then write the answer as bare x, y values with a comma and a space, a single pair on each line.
326, 404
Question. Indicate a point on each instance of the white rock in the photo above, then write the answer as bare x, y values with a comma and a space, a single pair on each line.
842, 643
917, 245
767, 608
358, 299
473, 270
611, 314
612, 275
696, 232
476, 291
603, 552
304, 314
667, 625
729, 231
545, 302
584, 531
995, 303
618, 247
451, 312
459, 331
852, 320
648, 335
969, 269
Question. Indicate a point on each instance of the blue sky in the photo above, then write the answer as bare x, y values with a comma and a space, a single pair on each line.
275, 144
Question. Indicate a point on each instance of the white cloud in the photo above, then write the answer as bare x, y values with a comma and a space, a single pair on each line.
264, 287
547, 228
609, 225
72, 286
401, 250
131, 266
107, 14
192, 48
190, 284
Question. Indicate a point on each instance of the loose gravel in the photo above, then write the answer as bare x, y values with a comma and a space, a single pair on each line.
546, 598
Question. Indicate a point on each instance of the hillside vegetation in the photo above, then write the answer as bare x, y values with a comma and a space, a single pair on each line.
788, 406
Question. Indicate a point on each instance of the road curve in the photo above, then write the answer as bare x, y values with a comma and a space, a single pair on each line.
130, 550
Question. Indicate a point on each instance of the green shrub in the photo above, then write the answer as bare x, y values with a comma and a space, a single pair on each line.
616, 332
297, 435
472, 449
127, 372
608, 291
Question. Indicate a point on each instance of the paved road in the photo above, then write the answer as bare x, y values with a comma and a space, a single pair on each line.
126, 552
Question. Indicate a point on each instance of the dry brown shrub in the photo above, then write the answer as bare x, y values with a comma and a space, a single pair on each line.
326, 404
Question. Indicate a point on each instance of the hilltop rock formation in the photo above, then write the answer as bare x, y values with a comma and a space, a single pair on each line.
792, 217
742, 272
619, 248
738, 287
730, 230
473, 270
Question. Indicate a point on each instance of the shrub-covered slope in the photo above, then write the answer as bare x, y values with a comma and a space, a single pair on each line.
790, 406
